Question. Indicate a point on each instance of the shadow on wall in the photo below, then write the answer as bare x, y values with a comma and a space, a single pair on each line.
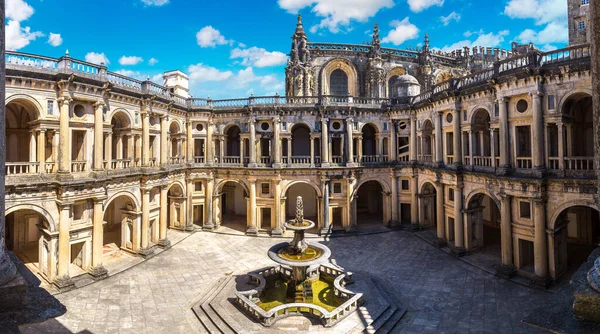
40, 306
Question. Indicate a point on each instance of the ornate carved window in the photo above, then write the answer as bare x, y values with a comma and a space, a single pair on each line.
338, 83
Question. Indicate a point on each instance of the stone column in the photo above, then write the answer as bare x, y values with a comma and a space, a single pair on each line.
98, 136
164, 140
324, 143
41, 150
189, 222
394, 198
459, 228
208, 202
252, 147
350, 143
145, 238
458, 157
277, 143
252, 229
393, 143
413, 140
440, 215
414, 218
504, 136
109, 145
472, 147
189, 143
64, 158
97, 270
353, 202
64, 247
208, 144
312, 151
540, 244
398, 200
163, 223
537, 133
507, 269
493, 146
277, 204
145, 136
326, 219
561, 146
439, 150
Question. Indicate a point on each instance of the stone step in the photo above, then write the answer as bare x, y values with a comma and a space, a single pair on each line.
390, 323
374, 305
227, 292
199, 311
210, 312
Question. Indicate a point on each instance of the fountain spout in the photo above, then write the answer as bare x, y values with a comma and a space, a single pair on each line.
298, 244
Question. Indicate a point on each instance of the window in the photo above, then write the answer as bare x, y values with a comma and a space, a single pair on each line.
525, 210
265, 188
581, 25
284, 126
336, 125
405, 185
338, 83
199, 127
551, 102
402, 125
522, 106
79, 110
198, 186
450, 194
449, 118
385, 126
585, 2
265, 126
337, 188
50, 107
78, 211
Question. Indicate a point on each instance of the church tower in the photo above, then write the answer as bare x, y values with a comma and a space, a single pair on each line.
578, 21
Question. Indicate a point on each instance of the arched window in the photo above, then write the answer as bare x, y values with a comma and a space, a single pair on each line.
338, 83
393, 86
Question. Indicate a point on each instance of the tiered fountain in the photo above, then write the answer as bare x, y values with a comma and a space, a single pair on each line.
301, 284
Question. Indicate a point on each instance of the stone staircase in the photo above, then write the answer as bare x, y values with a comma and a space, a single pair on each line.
381, 311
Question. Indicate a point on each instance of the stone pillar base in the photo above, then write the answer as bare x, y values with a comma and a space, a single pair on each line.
501, 171
540, 282
252, 230
506, 271
13, 294
252, 165
277, 165
414, 227
351, 229
208, 227
146, 252
325, 231
439, 243
458, 251
277, 232
164, 243
325, 164
189, 228
98, 273
64, 283
395, 223
351, 164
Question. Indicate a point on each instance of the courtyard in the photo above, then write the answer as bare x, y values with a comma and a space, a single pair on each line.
441, 293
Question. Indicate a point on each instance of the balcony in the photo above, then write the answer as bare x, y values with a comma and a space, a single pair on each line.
579, 163
16, 168
301, 160
179, 160
120, 163
482, 161
199, 159
78, 166
524, 162
234, 161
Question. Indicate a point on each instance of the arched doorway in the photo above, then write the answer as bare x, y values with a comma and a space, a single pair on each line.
232, 143
393, 84
176, 211
579, 136
481, 139
300, 144
338, 83
232, 206
368, 144
483, 225
176, 143
369, 204
578, 237
427, 141
24, 237
122, 223
22, 140
121, 139
309, 199
428, 206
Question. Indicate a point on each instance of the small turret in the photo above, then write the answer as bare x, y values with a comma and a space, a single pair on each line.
177, 82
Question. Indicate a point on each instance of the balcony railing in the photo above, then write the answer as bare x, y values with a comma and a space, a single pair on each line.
367, 159
554, 163
176, 160
301, 160
199, 159
579, 163
78, 166
14, 168
337, 159
449, 159
230, 160
265, 160
120, 163
482, 161
524, 162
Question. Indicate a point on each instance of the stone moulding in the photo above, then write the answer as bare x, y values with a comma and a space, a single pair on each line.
246, 299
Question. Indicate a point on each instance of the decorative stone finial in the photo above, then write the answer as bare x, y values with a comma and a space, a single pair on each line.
67, 53
299, 211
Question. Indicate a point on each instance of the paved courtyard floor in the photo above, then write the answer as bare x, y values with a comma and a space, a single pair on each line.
442, 294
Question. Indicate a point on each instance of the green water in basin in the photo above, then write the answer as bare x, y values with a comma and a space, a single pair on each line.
275, 294
309, 254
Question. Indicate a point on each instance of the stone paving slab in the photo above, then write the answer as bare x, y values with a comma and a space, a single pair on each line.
441, 293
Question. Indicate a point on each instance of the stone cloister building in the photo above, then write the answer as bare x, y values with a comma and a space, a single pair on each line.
491, 149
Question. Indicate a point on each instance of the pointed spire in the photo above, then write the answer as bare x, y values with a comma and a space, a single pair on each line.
426, 44
376, 35
299, 27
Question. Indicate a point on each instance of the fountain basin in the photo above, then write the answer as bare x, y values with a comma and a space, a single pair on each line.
315, 254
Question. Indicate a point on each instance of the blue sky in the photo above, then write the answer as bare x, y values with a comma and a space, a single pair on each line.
232, 48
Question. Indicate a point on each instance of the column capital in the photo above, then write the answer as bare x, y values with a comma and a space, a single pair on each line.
504, 196
100, 199
501, 99
64, 100
535, 94
252, 179
63, 204
324, 119
99, 104
539, 200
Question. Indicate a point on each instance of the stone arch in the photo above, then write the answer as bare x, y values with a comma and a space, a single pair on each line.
423, 181
179, 183
483, 191
373, 124
428, 182
395, 72
127, 194
174, 124
308, 182
220, 184
566, 205
476, 110
384, 185
348, 67
570, 94
427, 122
28, 102
122, 116
43, 212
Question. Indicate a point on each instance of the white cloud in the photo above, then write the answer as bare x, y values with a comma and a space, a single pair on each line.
210, 37
454, 16
403, 31
18, 10
158, 79
130, 60
96, 58
55, 39
152, 61
157, 3
483, 39
542, 11
17, 37
202, 73
420, 5
337, 13
554, 32
259, 57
